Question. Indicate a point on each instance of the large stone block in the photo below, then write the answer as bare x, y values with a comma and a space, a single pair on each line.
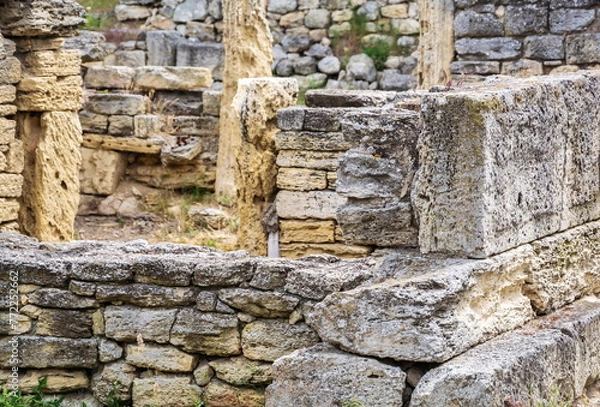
259, 303
526, 19
92, 122
39, 18
218, 393
52, 63
161, 358
129, 144
570, 20
67, 323
269, 339
304, 205
58, 380
323, 376
497, 48
322, 160
161, 47
11, 185
318, 141
503, 167
9, 210
109, 77
108, 104
239, 370
101, 171
57, 298
301, 179
40, 352
176, 391
202, 54
557, 352
307, 231
147, 295
172, 78
50, 94
208, 333
437, 310
470, 23
125, 323
583, 49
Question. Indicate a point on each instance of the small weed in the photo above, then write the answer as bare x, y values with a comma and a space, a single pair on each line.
17, 399
379, 51
113, 400
353, 402
311, 84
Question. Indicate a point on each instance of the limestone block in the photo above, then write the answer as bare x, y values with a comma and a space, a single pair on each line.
497, 48
475, 67
225, 272
301, 179
535, 185
147, 126
8, 130
249, 51
11, 185
10, 71
269, 339
526, 19
172, 78
348, 98
555, 352
304, 205
147, 295
160, 390
58, 381
399, 318
192, 125
162, 358
129, 58
67, 323
39, 44
41, 352
308, 231
15, 324
130, 144
239, 370
57, 298
15, 157
109, 77
211, 102
319, 141
92, 122
9, 209
385, 225
255, 105
181, 103
40, 94
581, 49
547, 47
125, 323
323, 160
570, 20
208, 333
8, 94
38, 18
324, 376
66, 62
8, 110
175, 177
109, 351
125, 12
118, 376
259, 303
202, 54
218, 393
162, 46
110, 104
52, 142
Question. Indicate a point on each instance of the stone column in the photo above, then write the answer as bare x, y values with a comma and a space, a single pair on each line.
248, 54
436, 47
49, 95
255, 106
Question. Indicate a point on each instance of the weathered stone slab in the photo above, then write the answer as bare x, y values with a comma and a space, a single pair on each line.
557, 352
101, 171
162, 358
323, 160
498, 48
304, 205
165, 391
210, 55
67, 323
301, 179
41, 352
129, 144
116, 377
218, 393
308, 231
224, 272
57, 298
431, 311
39, 18
319, 141
7, 130
296, 250
11, 185
582, 49
161, 47
58, 381
65, 62
348, 98
110, 104
92, 122
125, 323
9, 209
259, 303
269, 339
146, 295
323, 376
239, 370
50, 94
519, 166
109, 77
205, 332
172, 77
39, 44
10, 71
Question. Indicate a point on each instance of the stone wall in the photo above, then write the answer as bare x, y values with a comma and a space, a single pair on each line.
525, 39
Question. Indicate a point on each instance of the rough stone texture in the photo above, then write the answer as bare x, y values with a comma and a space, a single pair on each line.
37, 18
249, 54
172, 77
41, 352
102, 171
269, 339
162, 358
208, 333
116, 377
109, 77
219, 394
58, 381
52, 63
67, 323
307, 231
312, 204
323, 376
499, 48
540, 357
129, 144
259, 303
582, 49
161, 46
165, 390
47, 94
301, 179
525, 170
467, 302
108, 104
125, 323
255, 105
239, 370
51, 176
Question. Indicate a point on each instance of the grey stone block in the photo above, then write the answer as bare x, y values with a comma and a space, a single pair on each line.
282, 6
209, 333
295, 43
92, 122
56, 298
162, 46
187, 103
526, 19
132, 59
127, 323
108, 104
202, 54
393, 79
570, 20
475, 67
40, 352
499, 48
555, 4
290, 118
470, 23
583, 49
311, 140
190, 10
305, 65
546, 47
146, 295
120, 125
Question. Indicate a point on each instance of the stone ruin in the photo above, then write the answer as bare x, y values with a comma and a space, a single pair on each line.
473, 211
